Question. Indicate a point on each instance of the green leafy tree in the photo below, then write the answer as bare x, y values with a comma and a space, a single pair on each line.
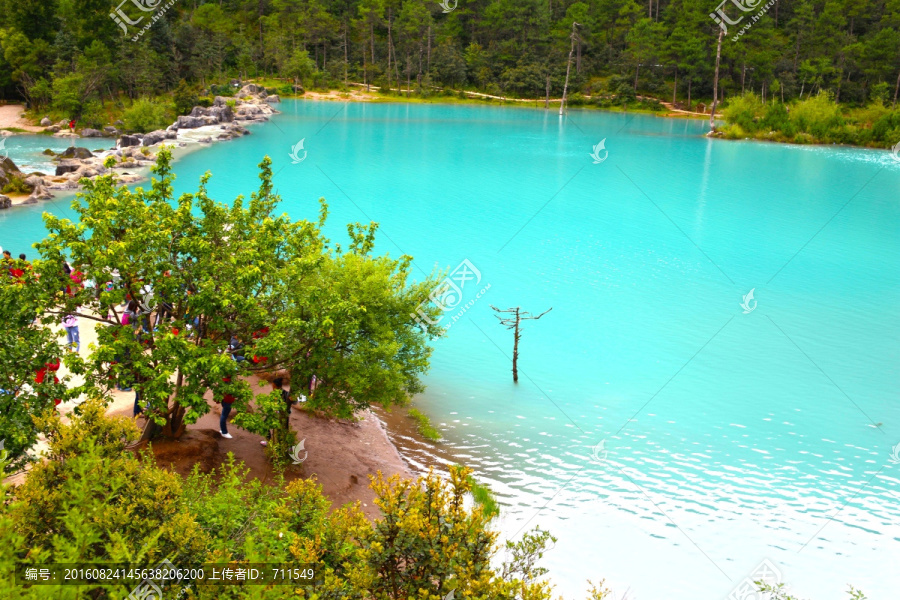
29, 354
339, 322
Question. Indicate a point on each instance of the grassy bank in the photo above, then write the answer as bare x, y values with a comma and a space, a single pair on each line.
815, 120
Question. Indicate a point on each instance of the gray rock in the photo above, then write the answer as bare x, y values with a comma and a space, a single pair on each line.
215, 114
67, 167
5, 202
110, 131
45, 122
86, 171
34, 180
40, 192
88, 132
129, 140
206, 140
220, 101
30, 200
119, 123
188, 122
273, 99
76, 152
53, 129
155, 137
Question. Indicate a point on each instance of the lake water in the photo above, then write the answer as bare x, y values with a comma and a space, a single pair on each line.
670, 438
27, 151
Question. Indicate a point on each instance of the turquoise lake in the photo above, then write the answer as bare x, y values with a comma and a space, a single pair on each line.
670, 438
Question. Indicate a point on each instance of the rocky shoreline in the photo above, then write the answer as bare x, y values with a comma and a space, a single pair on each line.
222, 121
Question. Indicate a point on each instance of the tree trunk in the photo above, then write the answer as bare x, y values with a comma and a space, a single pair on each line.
516, 351
896, 89
690, 81
547, 97
743, 76
428, 63
390, 45
346, 62
712, 113
637, 71
675, 88
562, 104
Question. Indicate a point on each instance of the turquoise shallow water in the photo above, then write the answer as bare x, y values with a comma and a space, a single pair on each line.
27, 151
728, 438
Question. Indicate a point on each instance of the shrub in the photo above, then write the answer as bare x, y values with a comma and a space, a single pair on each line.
94, 116
95, 501
145, 115
744, 111
818, 116
16, 185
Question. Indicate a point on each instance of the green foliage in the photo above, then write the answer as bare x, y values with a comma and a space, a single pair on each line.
144, 116
426, 429
27, 345
185, 98
94, 500
16, 185
484, 496
816, 119
337, 316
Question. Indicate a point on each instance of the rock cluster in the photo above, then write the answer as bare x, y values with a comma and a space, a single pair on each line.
223, 120
31, 183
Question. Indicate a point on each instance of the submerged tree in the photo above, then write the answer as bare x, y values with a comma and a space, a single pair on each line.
513, 322
174, 282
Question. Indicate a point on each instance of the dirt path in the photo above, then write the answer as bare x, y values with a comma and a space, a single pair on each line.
11, 116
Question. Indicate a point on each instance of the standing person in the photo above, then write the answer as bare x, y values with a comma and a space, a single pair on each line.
227, 401
278, 384
70, 323
234, 348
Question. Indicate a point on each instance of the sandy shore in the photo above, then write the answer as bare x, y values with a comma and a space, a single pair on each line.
341, 455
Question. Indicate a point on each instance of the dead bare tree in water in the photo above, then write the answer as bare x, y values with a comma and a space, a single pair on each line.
513, 322
562, 104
